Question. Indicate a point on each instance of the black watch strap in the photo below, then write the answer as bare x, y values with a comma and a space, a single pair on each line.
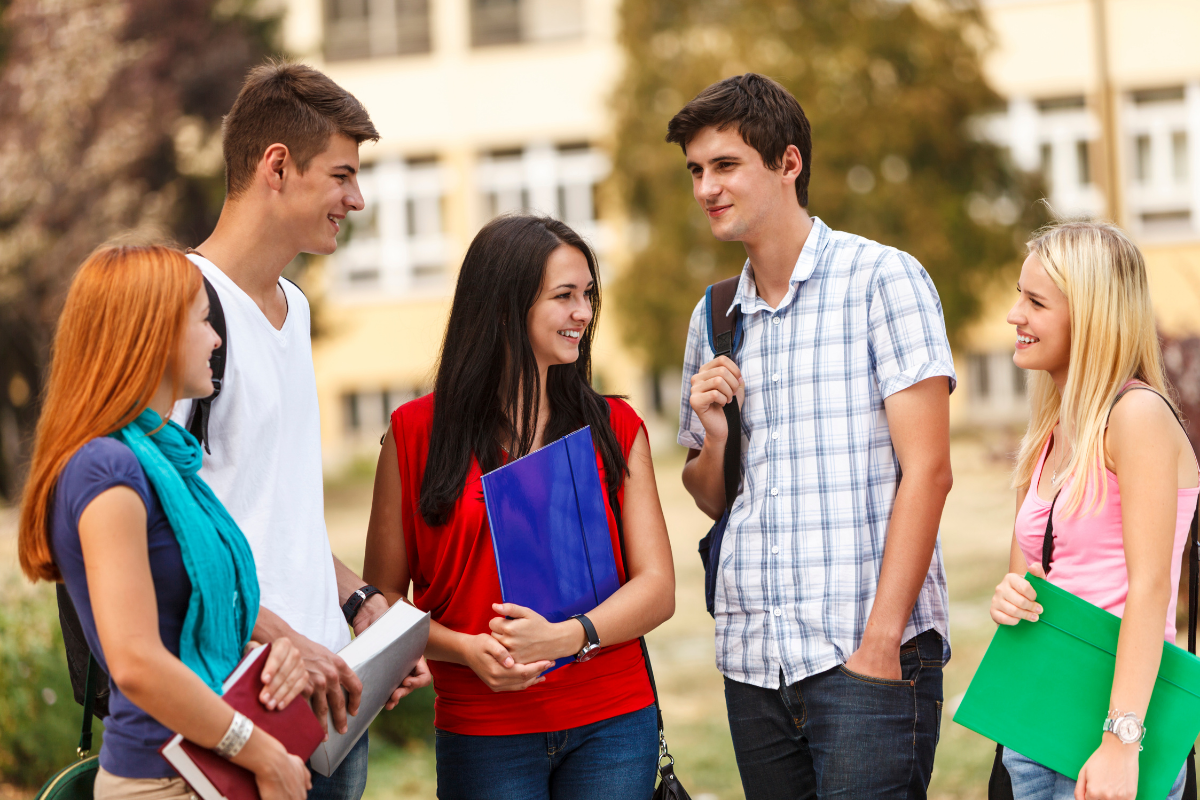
589, 629
357, 598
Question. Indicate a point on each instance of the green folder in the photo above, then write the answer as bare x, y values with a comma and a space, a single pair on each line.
1043, 688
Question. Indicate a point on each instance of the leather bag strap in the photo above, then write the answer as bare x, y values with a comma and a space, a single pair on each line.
615, 504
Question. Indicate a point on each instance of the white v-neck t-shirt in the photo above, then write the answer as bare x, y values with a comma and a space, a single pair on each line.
265, 466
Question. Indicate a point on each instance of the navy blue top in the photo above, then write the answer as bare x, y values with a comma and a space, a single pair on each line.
131, 736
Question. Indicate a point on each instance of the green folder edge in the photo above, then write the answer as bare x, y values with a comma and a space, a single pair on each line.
1043, 688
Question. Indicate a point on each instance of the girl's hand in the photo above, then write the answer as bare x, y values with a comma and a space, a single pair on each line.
1015, 598
496, 667
529, 637
1111, 773
420, 676
284, 675
283, 778
278, 774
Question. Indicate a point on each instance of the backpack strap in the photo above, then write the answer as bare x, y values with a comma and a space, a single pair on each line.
202, 408
724, 338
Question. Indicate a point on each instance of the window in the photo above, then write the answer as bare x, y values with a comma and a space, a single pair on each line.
557, 180
496, 22
368, 412
1083, 165
1019, 377
376, 28
980, 379
1047, 164
398, 243
1141, 158
1179, 156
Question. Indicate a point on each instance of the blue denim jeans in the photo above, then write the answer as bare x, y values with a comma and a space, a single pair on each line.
1032, 781
348, 781
614, 759
841, 734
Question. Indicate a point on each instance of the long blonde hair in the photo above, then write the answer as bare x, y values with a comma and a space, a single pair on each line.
1113, 340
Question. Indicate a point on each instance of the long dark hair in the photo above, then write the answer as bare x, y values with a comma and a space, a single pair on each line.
487, 376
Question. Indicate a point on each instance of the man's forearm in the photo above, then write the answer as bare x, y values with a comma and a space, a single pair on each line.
911, 538
704, 476
347, 581
270, 626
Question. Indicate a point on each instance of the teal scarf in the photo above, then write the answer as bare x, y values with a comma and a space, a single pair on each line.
224, 603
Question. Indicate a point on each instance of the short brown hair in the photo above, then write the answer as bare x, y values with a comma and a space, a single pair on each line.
290, 104
765, 113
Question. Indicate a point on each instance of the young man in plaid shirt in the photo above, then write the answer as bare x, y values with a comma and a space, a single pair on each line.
831, 607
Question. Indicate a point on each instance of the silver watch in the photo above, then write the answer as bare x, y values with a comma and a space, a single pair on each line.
1126, 727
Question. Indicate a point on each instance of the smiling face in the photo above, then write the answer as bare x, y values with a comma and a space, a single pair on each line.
557, 319
318, 199
196, 347
739, 195
1043, 321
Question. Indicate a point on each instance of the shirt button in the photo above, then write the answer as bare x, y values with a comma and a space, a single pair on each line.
774, 491
775, 549
775, 320
775, 435
778, 612
775, 377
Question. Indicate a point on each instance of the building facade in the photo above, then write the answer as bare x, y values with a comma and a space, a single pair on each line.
489, 106
1048, 60
484, 107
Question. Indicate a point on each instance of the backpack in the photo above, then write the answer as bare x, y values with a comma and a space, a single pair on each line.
78, 653
724, 339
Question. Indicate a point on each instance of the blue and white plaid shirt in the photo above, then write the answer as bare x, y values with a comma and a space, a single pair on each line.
799, 565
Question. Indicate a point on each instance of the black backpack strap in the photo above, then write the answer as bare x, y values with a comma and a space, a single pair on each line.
724, 337
202, 408
79, 657
95, 676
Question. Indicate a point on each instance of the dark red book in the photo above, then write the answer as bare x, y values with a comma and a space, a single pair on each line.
214, 778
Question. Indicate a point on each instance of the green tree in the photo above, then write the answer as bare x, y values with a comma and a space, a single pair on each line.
110, 114
893, 92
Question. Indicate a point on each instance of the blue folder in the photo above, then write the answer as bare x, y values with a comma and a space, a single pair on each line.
550, 530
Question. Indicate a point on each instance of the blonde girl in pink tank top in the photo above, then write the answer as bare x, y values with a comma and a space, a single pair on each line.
1105, 440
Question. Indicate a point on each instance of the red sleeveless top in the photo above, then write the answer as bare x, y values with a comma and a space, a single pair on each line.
454, 578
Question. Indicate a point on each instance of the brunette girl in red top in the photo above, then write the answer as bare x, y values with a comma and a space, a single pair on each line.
514, 374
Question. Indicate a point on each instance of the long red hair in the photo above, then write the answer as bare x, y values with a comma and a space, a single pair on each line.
116, 342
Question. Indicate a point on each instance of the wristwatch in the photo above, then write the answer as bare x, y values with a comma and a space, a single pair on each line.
1126, 727
356, 601
593, 643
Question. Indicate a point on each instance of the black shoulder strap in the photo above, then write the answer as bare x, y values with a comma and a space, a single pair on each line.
1193, 543
202, 408
665, 771
724, 334
79, 655
90, 690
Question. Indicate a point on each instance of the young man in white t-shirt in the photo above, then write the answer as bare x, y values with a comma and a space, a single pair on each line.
291, 156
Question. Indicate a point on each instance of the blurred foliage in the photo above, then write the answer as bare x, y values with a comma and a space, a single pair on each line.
110, 115
39, 719
892, 91
409, 722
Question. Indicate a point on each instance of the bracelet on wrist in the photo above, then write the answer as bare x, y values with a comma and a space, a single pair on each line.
236, 737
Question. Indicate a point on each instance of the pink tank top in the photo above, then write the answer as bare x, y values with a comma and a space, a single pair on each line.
1089, 553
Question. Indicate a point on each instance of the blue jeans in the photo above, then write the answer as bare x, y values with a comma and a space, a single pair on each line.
841, 734
347, 781
614, 759
1032, 781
